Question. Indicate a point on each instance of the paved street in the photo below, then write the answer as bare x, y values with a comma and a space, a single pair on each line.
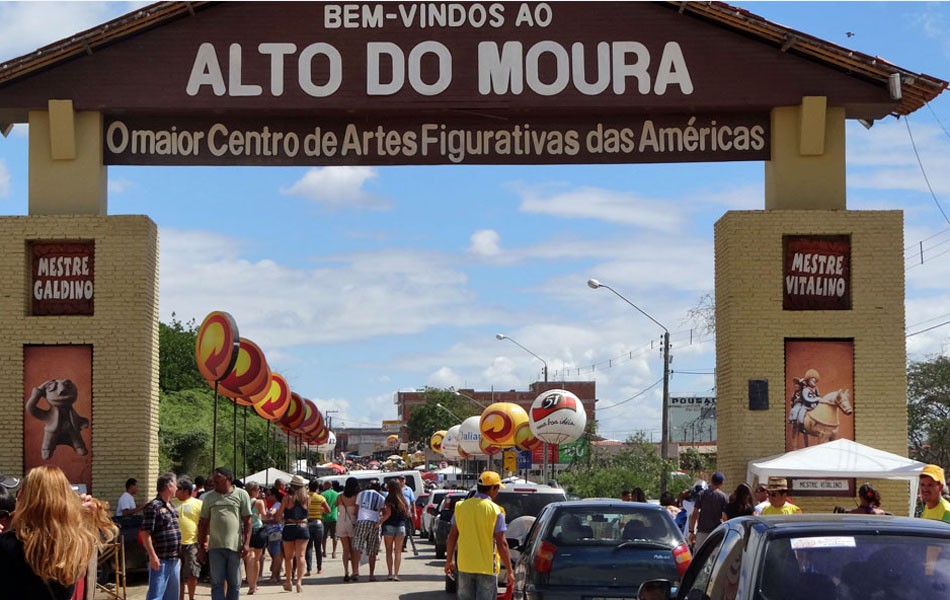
420, 577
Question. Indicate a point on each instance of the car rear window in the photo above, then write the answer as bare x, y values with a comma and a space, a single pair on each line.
582, 526
856, 566
520, 504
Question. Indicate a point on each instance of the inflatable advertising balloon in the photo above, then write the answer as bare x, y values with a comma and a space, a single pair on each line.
487, 448
557, 417
392, 442
250, 374
329, 446
435, 442
273, 404
499, 421
524, 439
294, 414
450, 444
470, 436
216, 346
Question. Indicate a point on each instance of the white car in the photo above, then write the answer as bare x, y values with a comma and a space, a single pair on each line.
429, 512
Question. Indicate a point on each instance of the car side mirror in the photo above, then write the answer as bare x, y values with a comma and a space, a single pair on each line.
655, 589
513, 543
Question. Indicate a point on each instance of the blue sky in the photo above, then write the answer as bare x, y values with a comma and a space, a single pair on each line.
360, 282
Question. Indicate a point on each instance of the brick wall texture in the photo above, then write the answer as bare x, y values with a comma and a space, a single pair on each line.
751, 328
123, 334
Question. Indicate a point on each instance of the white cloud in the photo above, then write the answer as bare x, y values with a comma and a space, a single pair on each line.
28, 26
485, 242
339, 187
4, 180
346, 298
604, 205
117, 186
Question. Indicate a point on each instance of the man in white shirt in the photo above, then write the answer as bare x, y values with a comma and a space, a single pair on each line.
761, 495
366, 533
125, 507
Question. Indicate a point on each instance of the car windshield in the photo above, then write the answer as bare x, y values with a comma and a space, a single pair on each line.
852, 567
600, 526
527, 503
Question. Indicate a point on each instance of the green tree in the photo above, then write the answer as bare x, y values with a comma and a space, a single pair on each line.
428, 418
638, 464
176, 365
928, 410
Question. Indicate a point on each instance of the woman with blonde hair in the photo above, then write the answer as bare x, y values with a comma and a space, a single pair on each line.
295, 536
55, 534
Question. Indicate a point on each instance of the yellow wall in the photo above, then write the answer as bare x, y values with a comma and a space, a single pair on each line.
123, 333
751, 328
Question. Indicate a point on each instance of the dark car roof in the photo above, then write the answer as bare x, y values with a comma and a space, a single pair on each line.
821, 522
609, 503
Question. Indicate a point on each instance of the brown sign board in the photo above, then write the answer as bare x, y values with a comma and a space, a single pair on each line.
62, 278
156, 140
821, 486
504, 60
816, 273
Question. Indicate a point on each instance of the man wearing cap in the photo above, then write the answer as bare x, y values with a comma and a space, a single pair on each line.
936, 507
761, 496
778, 498
225, 524
478, 531
709, 510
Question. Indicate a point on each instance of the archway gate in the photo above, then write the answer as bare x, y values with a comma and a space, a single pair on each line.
252, 83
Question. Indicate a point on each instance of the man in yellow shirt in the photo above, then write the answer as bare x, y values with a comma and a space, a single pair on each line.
478, 530
936, 506
189, 509
778, 498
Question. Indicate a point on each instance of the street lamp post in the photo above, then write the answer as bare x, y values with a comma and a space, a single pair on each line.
477, 403
665, 411
501, 336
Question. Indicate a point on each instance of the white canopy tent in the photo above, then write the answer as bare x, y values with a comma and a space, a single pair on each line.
839, 458
268, 476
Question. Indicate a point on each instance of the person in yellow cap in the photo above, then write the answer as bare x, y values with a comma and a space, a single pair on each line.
478, 531
936, 507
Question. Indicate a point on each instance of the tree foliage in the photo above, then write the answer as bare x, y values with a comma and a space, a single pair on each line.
176, 366
637, 464
428, 418
928, 410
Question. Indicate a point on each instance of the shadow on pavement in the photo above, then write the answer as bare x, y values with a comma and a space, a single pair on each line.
432, 595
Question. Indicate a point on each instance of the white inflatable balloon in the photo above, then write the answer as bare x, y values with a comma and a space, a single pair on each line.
450, 444
329, 446
470, 434
557, 417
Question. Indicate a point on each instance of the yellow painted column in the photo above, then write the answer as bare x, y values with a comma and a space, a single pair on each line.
67, 176
807, 170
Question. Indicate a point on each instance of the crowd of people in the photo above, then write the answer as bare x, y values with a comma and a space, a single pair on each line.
50, 535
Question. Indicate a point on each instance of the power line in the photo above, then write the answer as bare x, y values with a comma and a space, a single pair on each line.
634, 397
923, 171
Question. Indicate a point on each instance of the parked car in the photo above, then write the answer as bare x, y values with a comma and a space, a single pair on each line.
442, 523
521, 502
598, 549
431, 512
818, 557
417, 508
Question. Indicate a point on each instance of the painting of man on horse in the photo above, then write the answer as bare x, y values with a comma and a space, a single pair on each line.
812, 417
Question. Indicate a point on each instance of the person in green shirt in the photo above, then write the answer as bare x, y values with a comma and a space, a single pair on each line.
225, 523
936, 507
329, 520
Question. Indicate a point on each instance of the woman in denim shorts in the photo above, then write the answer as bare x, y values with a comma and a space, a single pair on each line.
395, 520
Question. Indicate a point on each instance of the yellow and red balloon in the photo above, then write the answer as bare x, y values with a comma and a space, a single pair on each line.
499, 421
216, 346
